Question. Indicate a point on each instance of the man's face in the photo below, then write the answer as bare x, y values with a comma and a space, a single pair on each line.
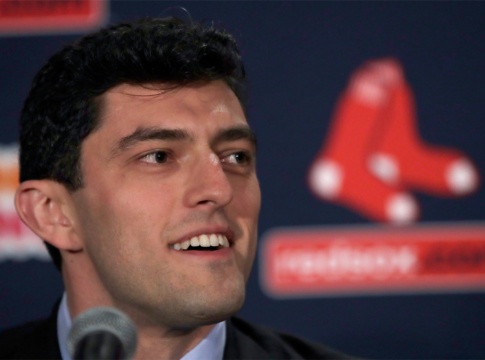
164, 168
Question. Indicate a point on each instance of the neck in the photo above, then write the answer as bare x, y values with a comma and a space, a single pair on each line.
157, 343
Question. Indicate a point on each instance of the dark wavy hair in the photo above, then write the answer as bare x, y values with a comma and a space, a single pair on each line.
63, 105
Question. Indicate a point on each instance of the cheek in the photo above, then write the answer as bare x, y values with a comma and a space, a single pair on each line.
245, 210
247, 199
126, 218
134, 198
123, 230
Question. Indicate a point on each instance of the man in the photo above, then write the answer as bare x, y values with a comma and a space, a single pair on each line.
138, 171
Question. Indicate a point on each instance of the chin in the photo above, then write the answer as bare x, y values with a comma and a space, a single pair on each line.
206, 310
216, 314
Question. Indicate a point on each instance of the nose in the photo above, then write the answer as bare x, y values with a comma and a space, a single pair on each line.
208, 184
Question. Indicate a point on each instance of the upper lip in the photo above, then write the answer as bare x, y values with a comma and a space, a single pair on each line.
214, 229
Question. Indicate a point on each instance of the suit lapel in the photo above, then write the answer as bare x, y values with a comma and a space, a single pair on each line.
240, 346
40, 340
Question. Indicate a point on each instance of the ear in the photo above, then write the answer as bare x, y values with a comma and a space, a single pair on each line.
45, 206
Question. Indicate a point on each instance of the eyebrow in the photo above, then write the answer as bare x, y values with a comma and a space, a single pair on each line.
146, 134
236, 133
154, 133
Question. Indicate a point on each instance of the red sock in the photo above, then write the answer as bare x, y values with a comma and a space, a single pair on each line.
403, 159
340, 172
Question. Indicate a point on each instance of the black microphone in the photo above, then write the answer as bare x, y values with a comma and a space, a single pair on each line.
102, 333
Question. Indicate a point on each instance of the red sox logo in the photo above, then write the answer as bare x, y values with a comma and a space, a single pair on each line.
373, 155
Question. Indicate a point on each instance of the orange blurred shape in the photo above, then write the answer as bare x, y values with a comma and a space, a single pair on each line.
9, 177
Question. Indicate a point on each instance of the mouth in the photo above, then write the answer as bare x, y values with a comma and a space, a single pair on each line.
204, 242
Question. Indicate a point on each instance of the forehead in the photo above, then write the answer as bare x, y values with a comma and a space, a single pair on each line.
211, 105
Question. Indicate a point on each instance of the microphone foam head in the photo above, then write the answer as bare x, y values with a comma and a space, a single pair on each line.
103, 319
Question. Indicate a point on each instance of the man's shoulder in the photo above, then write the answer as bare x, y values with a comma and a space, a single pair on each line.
14, 339
246, 340
33, 340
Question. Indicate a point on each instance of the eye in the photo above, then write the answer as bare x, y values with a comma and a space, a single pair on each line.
239, 158
157, 157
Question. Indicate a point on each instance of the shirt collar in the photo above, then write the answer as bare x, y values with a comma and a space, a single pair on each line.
211, 347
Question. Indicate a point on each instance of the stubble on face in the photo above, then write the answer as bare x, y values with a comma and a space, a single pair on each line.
129, 211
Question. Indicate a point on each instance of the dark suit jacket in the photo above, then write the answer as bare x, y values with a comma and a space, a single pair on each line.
38, 340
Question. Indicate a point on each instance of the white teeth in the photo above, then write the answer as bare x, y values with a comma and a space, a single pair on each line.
194, 241
223, 240
204, 240
213, 240
226, 242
